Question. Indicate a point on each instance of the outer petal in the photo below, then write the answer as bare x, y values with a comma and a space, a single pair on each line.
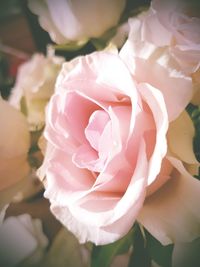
156, 103
172, 214
104, 72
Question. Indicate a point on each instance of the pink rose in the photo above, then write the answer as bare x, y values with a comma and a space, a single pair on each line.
178, 29
163, 49
106, 140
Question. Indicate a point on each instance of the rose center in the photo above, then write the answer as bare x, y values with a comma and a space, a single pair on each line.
95, 127
93, 154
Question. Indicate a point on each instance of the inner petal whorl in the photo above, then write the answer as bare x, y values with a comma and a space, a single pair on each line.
97, 122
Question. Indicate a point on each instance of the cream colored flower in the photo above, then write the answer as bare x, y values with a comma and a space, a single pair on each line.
14, 146
34, 86
77, 21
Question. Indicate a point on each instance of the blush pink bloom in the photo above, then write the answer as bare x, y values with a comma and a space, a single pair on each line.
173, 24
106, 138
163, 49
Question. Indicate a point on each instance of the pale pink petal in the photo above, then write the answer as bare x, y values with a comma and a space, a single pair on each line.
95, 127
77, 113
68, 121
106, 143
86, 157
172, 214
64, 181
147, 62
156, 103
151, 22
103, 227
99, 76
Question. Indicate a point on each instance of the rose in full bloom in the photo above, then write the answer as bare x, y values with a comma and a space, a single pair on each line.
34, 86
14, 146
163, 49
77, 21
106, 138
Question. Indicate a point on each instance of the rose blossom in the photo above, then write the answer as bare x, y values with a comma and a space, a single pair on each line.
106, 141
163, 49
178, 29
34, 86
77, 21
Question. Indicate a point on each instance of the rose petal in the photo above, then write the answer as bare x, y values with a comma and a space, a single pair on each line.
77, 220
102, 73
156, 103
95, 127
180, 138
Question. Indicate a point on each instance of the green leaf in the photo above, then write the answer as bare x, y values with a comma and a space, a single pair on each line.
159, 253
102, 256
